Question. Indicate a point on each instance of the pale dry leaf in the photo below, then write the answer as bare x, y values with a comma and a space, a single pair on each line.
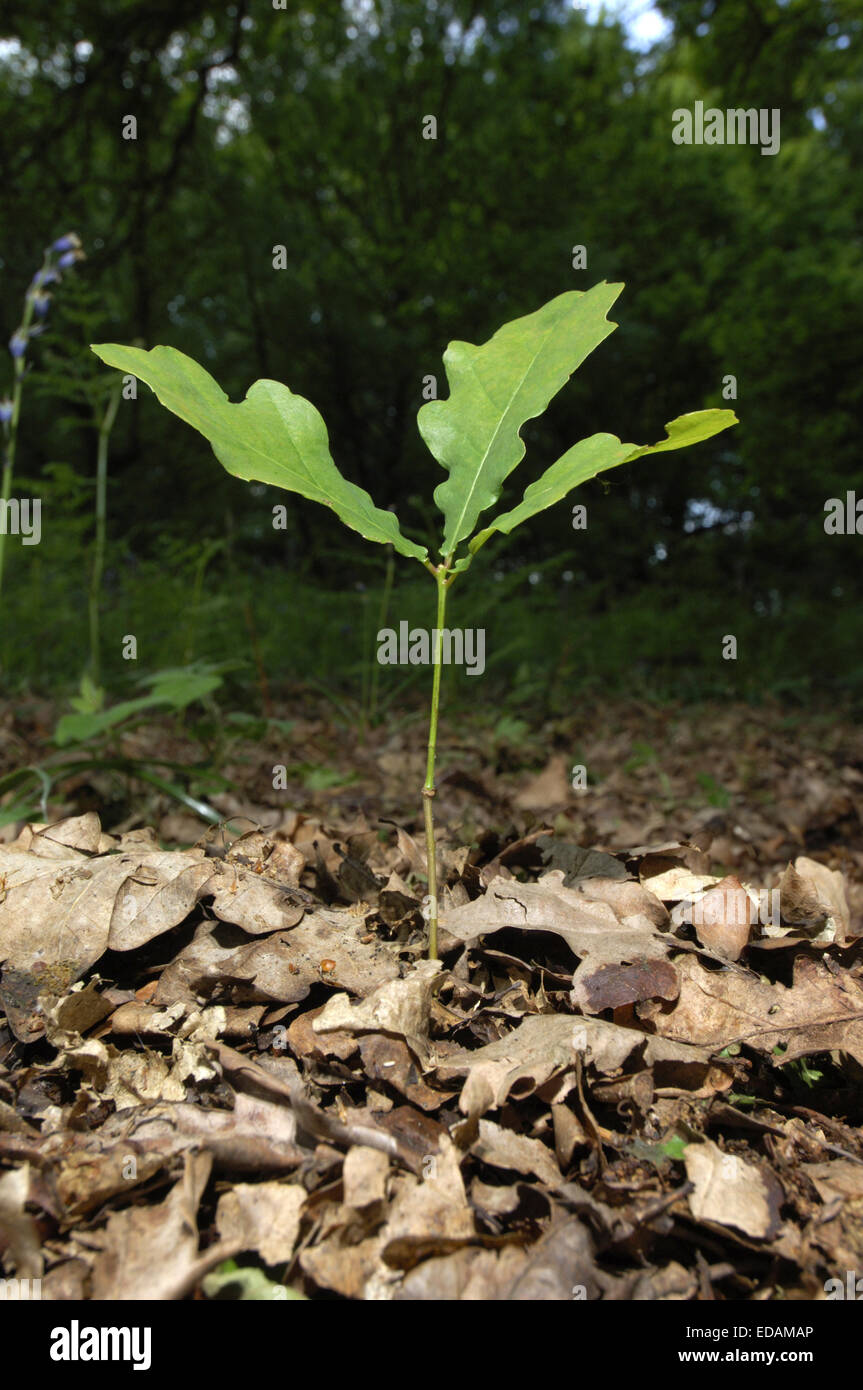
364, 1176
468, 1275
264, 1217
723, 918
672, 884
732, 1192
324, 947
346, 1269
401, 1007
17, 1227
503, 1148
434, 1206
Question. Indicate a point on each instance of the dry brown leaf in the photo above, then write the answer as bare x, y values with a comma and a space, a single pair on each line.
401, 1007
264, 1217
559, 1268
812, 898
839, 1178
549, 789
731, 1191
723, 918
625, 897
613, 986
434, 1206
364, 1176
324, 948
390, 1060
470, 1274
148, 1252
822, 1011
503, 1148
18, 1229
545, 1045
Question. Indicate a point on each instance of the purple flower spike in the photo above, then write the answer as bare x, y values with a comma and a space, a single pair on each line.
18, 344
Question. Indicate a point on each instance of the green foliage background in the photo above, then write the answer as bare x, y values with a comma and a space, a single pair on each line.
303, 127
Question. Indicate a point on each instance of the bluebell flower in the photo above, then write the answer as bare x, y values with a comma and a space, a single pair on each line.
69, 258
70, 242
18, 343
5, 412
43, 277
41, 303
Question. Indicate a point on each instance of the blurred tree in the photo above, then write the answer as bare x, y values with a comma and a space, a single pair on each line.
303, 127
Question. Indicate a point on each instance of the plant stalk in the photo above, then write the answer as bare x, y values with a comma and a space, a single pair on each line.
443, 581
106, 424
20, 368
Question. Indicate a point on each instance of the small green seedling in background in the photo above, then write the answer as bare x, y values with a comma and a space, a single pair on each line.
274, 436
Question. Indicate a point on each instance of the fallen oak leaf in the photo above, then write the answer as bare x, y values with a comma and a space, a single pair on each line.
820, 1012
545, 1045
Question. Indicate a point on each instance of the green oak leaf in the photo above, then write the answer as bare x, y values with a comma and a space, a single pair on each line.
495, 388
273, 436
594, 455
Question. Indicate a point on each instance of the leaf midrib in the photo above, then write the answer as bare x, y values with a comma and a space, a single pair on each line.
457, 538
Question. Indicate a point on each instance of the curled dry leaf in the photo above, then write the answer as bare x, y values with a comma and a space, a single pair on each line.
812, 898
400, 1007
724, 917
591, 929
625, 897
150, 1252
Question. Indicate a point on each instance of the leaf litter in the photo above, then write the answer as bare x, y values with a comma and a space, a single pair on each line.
230, 1072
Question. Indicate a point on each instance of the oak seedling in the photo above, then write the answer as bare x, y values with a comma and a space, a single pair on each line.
277, 437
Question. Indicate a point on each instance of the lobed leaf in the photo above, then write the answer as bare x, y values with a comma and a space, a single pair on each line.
273, 436
494, 389
595, 455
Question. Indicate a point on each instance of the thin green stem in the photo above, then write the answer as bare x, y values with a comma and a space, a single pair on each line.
443, 582
105, 426
12, 427
382, 618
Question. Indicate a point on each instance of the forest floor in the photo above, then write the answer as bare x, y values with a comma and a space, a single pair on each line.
227, 1070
